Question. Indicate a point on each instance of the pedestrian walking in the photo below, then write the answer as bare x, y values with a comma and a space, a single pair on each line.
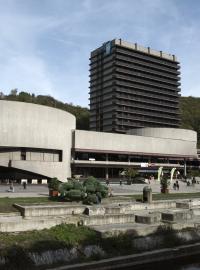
11, 188
177, 184
24, 185
193, 181
174, 186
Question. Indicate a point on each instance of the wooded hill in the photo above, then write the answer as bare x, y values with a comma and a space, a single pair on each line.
190, 114
189, 109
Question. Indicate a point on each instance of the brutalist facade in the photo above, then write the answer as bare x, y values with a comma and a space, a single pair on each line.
132, 86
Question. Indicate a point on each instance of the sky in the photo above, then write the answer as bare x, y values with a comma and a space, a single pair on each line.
45, 45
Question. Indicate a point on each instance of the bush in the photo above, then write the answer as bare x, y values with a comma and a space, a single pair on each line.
90, 188
104, 192
91, 199
54, 184
74, 195
64, 187
78, 185
75, 190
90, 181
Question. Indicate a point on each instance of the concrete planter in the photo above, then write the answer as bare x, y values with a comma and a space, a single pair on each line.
53, 193
164, 190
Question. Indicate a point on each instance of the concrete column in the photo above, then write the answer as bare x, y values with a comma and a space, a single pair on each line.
107, 176
185, 167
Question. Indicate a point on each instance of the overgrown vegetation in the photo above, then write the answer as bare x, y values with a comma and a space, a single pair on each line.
190, 114
189, 109
91, 191
65, 235
15, 247
70, 236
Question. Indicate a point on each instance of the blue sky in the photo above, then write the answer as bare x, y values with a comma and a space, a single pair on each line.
45, 44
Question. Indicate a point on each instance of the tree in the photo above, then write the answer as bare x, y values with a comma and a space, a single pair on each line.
13, 92
2, 95
130, 173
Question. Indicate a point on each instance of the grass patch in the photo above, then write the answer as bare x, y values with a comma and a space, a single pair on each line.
6, 204
64, 235
169, 196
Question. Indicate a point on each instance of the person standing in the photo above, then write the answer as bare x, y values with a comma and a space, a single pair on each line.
177, 184
24, 185
12, 187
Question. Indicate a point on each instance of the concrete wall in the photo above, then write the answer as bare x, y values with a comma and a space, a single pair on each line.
167, 133
40, 127
109, 142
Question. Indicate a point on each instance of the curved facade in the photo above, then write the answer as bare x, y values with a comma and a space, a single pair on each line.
35, 140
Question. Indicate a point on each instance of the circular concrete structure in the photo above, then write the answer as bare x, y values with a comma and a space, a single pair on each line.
35, 140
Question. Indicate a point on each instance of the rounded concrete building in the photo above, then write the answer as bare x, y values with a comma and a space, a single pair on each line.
35, 141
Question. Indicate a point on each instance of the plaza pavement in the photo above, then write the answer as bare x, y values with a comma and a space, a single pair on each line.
42, 190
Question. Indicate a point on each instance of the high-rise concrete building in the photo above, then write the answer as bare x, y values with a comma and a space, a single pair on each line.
132, 86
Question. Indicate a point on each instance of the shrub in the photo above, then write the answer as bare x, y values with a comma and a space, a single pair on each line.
54, 184
64, 187
91, 199
90, 181
165, 182
78, 185
75, 190
104, 192
90, 188
74, 195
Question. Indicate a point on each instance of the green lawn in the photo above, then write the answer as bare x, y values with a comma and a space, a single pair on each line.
170, 196
6, 204
53, 238
176, 196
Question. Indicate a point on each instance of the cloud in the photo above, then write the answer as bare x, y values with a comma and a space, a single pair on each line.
28, 72
45, 45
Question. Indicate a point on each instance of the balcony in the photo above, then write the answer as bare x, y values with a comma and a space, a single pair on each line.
145, 64
146, 122
148, 58
140, 67
127, 88
148, 110
131, 96
119, 164
146, 76
136, 100
148, 114
145, 82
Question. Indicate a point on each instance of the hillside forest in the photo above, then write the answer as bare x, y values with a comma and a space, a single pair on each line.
189, 109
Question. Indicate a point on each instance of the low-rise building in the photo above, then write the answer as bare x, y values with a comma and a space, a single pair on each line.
39, 142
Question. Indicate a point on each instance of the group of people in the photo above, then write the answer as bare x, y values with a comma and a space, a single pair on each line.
12, 189
176, 185
193, 182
